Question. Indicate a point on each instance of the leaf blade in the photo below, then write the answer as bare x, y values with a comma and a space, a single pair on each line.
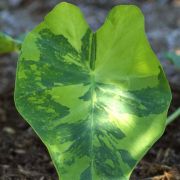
86, 106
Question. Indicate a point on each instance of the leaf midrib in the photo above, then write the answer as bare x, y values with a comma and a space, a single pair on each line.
92, 59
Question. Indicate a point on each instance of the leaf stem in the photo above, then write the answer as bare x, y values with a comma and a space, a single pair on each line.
173, 116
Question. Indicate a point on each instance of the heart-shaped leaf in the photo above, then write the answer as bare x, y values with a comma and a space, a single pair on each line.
97, 100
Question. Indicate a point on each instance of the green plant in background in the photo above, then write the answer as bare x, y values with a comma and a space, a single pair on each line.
174, 58
8, 44
98, 100
173, 116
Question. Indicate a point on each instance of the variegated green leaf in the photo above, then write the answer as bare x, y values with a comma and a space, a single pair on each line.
7, 44
97, 100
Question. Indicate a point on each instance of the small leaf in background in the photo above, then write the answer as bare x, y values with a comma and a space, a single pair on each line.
8, 44
174, 58
99, 100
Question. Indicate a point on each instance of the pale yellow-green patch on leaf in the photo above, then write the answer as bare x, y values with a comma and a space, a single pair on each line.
56, 20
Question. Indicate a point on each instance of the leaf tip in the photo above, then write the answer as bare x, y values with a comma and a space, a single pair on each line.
131, 10
65, 5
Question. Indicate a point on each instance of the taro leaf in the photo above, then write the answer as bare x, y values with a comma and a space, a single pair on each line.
97, 100
7, 44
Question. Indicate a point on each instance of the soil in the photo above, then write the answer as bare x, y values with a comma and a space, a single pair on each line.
22, 154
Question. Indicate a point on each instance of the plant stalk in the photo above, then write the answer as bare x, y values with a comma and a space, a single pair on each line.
173, 116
